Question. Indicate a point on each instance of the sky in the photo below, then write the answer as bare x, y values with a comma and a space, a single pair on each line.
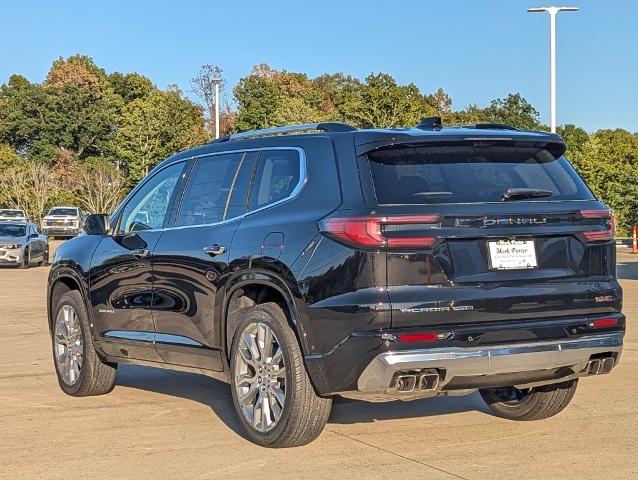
475, 50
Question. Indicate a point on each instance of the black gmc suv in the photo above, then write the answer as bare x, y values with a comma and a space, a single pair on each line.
304, 262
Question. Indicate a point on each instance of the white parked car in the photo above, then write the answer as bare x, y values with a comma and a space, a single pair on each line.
12, 215
63, 222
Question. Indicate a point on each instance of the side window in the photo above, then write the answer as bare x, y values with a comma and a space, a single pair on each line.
148, 207
238, 199
206, 197
277, 176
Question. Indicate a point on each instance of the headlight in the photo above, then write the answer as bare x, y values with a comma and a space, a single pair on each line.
13, 246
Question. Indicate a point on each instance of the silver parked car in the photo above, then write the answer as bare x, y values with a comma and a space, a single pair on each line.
21, 244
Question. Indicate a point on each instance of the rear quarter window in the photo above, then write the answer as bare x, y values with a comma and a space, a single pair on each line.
463, 174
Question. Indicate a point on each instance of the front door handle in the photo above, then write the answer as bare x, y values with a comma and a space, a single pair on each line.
213, 250
140, 252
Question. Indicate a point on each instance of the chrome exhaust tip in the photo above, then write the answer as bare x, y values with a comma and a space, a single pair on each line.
429, 381
406, 383
606, 364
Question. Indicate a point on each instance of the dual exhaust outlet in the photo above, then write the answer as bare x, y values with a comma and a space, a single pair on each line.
598, 366
410, 382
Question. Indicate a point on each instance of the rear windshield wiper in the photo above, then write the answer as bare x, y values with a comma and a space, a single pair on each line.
522, 193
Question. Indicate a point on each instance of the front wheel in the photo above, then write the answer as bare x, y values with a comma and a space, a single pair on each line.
531, 403
272, 394
80, 370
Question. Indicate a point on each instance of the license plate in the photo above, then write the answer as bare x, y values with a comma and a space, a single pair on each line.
512, 254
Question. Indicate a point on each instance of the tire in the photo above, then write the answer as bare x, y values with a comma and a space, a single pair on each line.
92, 376
26, 259
303, 414
531, 404
45, 258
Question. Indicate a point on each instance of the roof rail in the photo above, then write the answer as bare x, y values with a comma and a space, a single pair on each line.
291, 129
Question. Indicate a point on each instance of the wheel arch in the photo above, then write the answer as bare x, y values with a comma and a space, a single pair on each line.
249, 289
61, 282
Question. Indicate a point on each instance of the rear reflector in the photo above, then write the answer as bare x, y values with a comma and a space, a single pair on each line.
609, 233
369, 232
422, 336
603, 323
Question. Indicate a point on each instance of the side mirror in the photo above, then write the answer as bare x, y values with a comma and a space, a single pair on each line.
98, 224
34, 235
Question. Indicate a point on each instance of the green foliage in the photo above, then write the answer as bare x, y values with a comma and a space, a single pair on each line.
513, 110
608, 161
155, 126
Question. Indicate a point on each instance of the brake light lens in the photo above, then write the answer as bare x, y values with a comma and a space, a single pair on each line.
597, 235
603, 323
368, 231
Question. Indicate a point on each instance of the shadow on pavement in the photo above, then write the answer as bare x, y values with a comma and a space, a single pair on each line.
627, 266
217, 396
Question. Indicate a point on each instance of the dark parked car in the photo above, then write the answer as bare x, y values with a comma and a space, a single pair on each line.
21, 243
374, 264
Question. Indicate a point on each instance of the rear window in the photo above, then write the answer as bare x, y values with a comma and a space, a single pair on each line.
463, 174
12, 213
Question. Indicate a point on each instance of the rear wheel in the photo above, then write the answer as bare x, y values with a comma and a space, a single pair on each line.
531, 403
79, 369
45, 258
272, 394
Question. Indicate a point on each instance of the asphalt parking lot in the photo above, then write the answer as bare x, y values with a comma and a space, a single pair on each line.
161, 424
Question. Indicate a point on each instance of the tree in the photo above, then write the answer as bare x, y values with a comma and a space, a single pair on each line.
154, 127
440, 102
380, 102
609, 163
513, 110
204, 88
99, 187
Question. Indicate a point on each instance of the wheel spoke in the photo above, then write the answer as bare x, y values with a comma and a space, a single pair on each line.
278, 356
276, 406
250, 342
268, 344
246, 356
279, 395
265, 412
278, 373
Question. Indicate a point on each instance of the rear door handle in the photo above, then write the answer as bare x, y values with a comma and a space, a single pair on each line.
140, 252
213, 250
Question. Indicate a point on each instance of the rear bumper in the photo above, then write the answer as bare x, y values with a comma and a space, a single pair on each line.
528, 364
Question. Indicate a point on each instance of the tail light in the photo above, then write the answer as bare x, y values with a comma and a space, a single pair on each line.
596, 235
603, 323
370, 231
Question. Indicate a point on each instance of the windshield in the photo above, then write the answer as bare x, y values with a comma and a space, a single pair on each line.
8, 230
69, 212
462, 174
11, 213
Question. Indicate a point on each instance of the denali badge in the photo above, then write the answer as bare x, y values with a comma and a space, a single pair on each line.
489, 222
453, 308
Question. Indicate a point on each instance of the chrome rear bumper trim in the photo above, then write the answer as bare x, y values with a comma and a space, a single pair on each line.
464, 362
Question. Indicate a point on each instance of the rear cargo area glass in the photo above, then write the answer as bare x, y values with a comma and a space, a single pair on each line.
468, 174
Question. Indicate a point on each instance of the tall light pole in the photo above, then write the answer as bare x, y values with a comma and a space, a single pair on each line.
217, 79
552, 56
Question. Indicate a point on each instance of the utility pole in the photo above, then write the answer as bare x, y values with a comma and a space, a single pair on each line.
552, 56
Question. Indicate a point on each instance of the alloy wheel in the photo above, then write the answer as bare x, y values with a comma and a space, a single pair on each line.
260, 376
68, 345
